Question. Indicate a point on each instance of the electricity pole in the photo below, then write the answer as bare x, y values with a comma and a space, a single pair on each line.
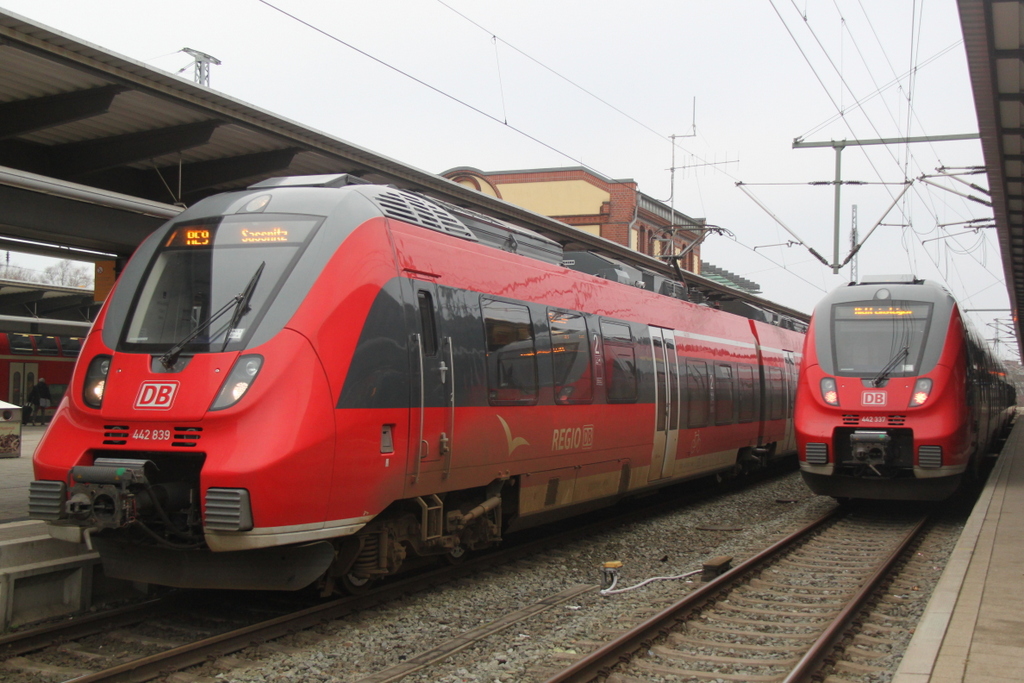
840, 145
202, 64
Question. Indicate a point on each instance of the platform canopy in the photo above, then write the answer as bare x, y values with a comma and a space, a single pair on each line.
994, 40
96, 150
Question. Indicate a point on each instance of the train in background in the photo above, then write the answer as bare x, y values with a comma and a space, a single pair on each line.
25, 358
315, 379
899, 397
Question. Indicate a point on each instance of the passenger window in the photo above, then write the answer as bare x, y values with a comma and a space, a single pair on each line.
70, 346
724, 395
776, 389
511, 353
620, 362
20, 343
747, 395
570, 358
698, 397
673, 374
47, 346
427, 324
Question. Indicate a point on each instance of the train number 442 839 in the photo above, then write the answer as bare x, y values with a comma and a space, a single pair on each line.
152, 434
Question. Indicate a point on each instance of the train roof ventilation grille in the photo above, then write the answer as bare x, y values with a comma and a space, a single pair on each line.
418, 211
115, 435
186, 437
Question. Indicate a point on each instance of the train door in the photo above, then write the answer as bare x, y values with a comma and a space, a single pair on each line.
789, 378
21, 379
433, 416
666, 403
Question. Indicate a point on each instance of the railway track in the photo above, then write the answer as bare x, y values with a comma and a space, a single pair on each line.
705, 638
115, 647
147, 640
775, 617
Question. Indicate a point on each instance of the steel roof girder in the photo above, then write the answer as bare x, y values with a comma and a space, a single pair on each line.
26, 116
81, 158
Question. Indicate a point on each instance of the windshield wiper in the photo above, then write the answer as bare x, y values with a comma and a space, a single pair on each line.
169, 359
242, 304
890, 366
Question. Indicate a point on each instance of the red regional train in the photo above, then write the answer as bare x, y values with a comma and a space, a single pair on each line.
898, 398
318, 378
25, 358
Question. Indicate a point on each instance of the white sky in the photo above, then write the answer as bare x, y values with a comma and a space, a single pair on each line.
763, 72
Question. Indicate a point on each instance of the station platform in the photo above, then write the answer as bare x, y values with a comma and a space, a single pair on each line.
973, 627
15, 477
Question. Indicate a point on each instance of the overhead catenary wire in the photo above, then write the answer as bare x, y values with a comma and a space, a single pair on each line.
786, 268
930, 200
476, 109
429, 86
556, 73
501, 60
917, 64
841, 112
667, 138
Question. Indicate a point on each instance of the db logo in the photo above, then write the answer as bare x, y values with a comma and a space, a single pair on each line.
156, 395
873, 398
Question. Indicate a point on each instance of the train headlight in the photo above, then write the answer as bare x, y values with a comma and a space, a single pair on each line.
922, 390
243, 374
829, 392
96, 381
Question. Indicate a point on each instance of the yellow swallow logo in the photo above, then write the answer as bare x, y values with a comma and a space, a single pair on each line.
512, 443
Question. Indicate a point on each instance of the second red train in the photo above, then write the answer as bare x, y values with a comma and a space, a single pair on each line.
899, 397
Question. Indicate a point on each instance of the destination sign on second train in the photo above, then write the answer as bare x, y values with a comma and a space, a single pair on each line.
910, 310
878, 310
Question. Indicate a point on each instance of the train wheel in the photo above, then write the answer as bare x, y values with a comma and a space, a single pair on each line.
356, 585
456, 555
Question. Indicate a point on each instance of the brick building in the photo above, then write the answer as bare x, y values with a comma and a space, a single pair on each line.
612, 209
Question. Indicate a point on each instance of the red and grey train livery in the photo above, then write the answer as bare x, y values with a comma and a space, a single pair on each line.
318, 378
899, 398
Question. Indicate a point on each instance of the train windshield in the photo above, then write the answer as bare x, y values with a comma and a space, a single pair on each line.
870, 338
214, 279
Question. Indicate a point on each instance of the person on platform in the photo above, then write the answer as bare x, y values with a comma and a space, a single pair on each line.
39, 398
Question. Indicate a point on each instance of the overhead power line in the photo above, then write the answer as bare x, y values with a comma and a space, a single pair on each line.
565, 78
480, 111
429, 86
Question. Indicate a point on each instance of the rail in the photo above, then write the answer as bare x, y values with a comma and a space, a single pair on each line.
600, 663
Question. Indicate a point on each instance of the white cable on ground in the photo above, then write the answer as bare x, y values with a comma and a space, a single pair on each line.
612, 591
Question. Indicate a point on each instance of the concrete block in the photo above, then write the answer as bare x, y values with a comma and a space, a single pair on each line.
42, 578
45, 589
33, 549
